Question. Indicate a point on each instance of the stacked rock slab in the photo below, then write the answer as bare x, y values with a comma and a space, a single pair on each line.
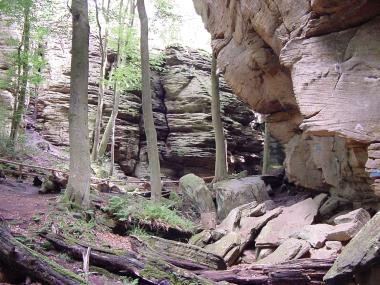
360, 256
181, 106
313, 68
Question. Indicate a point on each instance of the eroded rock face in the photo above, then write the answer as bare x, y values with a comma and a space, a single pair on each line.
181, 105
313, 68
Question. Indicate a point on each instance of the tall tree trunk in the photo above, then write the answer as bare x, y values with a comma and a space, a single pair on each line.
22, 88
150, 130
17, 89
103, 44
266, 150
78, 187
110, 128
221, 166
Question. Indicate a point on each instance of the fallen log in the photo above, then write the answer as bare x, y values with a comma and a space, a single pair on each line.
296, 272
24, 262
151, 267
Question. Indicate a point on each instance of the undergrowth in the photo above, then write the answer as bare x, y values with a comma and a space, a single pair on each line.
143, 210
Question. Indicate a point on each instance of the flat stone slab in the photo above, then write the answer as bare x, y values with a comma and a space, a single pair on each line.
251, 226
291, 220
359, 215
316, 235
359, 254
289, 250
344, 232
224, 245
348, 225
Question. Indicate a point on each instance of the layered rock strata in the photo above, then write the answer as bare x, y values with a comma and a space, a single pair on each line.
181, 105
313, 68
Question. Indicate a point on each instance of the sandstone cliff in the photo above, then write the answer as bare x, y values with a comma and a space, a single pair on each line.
181, 104
313, 68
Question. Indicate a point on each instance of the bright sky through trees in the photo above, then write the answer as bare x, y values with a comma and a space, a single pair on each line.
191, 32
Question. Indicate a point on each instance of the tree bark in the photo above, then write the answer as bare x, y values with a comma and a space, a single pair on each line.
103, 44
221, 166
266, 154
150, 266
150, 130
78, 187
23, 261
21, 96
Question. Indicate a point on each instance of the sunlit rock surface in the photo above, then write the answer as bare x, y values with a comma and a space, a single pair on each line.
313, 67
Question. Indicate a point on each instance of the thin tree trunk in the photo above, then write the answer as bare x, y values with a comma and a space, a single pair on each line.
266, 150
19, 112
221, 166
150, 130
110, 128
115, 111
78, 187
17, 89
103, 44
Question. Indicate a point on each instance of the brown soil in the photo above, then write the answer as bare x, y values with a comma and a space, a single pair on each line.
26, 212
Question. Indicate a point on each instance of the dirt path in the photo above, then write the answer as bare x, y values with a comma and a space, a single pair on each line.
20, 202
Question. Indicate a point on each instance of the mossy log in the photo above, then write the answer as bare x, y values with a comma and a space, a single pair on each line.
158, 229
140, 262
21, 261
297, 272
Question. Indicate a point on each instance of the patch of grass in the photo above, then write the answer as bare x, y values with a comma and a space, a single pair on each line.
138, 232
126, 209
176, 199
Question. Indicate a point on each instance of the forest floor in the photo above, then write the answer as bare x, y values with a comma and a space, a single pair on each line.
27, 212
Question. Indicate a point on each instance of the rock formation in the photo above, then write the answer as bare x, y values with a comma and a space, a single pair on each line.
313, 68
182, 103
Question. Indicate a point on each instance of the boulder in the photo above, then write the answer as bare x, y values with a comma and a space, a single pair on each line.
224, 245
232, 256
195, 190
201, 239
234, 216
315, 234
348, 225
236, 192
289, 250
323, 253
357, 216
253, 209
291, 220
361, 253
344, 232
251, 226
